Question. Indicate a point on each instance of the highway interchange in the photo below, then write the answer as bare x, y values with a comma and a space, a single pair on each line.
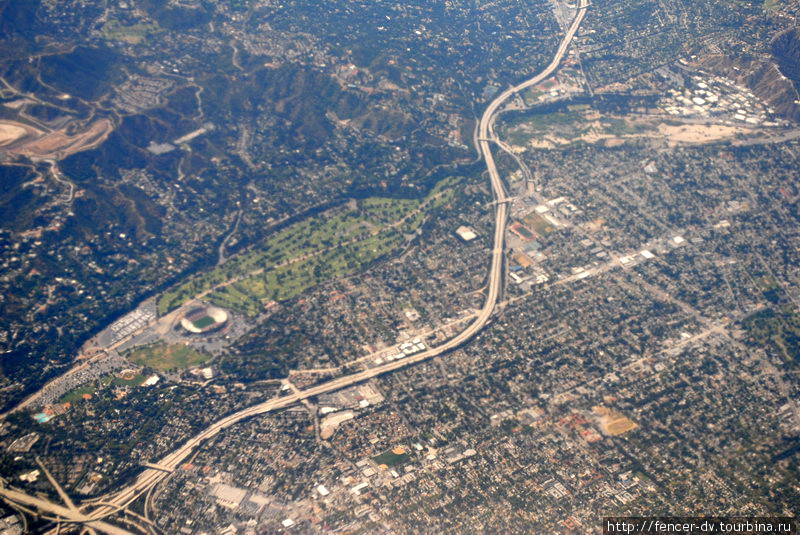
121, 499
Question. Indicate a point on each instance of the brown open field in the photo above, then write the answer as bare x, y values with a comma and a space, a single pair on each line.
699, 133
548, 131
11, 131
539, 224
21, 139
523, 260
613, 423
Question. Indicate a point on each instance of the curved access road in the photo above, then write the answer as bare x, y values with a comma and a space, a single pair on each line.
149, 477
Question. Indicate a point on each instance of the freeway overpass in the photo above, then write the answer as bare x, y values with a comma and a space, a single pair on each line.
58, 512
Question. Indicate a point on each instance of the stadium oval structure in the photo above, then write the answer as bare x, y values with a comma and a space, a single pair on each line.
204, 319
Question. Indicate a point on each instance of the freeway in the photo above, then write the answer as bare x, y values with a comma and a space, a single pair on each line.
110, 504
20, 498
485, 132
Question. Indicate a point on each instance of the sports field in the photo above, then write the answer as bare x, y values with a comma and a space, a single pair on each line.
393, 457
203, 322
163, 357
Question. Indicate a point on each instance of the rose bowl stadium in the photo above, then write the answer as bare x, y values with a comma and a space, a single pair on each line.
204, 319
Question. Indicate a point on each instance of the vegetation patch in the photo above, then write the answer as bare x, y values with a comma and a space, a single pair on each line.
393, 457
83, 391
133, 380
165, 357
78, 394
624, 127
567, 125
769, 288
330, 245
134, 34
540, 121
777, 330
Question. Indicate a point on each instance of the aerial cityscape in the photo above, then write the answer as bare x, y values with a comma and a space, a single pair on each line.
398, 268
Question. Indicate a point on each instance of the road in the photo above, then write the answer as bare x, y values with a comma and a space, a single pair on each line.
221, 249
56, 174
119, 500
149, 477
50, 508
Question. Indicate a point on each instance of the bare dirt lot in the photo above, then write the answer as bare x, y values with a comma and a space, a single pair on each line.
11, 132
699, 133
20, 139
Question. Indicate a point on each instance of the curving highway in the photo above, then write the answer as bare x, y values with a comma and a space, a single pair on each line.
485, 132
119, 500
